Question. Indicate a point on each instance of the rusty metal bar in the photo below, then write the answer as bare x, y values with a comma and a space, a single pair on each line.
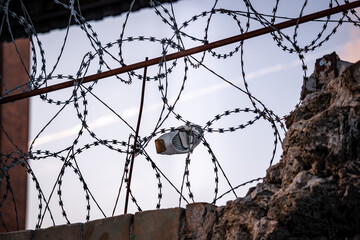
185, 53
135, 139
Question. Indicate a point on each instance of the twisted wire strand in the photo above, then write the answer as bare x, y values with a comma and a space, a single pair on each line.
41, 74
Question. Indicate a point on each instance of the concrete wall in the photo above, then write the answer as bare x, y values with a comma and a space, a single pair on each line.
14, 118
163, 224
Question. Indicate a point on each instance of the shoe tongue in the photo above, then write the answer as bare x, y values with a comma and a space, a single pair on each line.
184, 139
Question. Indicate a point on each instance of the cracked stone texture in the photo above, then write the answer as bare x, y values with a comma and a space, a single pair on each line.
314, 191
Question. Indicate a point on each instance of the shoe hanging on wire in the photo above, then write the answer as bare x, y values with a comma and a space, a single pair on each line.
181, 140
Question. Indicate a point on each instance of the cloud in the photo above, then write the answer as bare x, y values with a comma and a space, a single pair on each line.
351, 50
56, 136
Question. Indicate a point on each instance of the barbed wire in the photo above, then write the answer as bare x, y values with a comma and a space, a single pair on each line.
40, 76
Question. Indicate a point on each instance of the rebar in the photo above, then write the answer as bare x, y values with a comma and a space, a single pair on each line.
135, 139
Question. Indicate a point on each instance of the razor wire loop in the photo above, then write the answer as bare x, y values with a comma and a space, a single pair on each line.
5, 196
58, 182
236, 187
124, 175
191, 141
39, 76
353, 12
76, 170
179, 33
126, 171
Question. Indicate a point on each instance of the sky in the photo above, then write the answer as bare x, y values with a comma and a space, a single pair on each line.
274, 77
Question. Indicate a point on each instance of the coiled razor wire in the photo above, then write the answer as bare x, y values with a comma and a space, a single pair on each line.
39, 77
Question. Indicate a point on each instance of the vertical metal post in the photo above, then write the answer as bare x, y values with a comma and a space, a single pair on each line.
135, 140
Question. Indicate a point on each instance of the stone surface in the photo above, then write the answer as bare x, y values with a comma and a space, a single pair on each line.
109, 228
62, 232
314, 191
319, 173
160, 224
244, 217
199, 219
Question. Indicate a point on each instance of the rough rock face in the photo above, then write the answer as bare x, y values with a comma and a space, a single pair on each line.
314, 191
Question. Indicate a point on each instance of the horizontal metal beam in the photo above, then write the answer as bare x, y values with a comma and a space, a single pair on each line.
184, 53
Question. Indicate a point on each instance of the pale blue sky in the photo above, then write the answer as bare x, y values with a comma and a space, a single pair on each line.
274, 77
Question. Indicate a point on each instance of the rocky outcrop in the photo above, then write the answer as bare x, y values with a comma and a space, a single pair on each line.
314, 191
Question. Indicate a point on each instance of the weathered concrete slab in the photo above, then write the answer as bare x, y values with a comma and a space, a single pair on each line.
109, 228
20, 235
161, 224
62, 232
200, 218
